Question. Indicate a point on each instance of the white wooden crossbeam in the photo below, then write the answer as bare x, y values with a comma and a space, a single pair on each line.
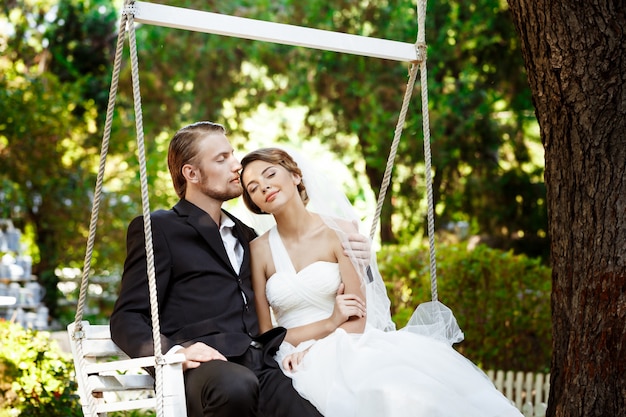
240, 27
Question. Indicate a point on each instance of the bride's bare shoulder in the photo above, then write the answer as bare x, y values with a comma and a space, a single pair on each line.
343, 225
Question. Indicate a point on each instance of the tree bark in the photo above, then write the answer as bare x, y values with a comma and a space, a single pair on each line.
575, 55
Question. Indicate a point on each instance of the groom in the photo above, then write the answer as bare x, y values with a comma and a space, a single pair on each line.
206, 303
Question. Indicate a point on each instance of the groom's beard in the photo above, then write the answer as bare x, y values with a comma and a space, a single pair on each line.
233, 190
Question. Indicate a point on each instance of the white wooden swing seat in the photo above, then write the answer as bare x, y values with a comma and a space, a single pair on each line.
104, 369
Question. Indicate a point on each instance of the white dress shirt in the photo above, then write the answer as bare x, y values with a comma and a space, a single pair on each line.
231, 243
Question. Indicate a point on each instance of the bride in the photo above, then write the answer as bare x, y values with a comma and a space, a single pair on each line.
341, 349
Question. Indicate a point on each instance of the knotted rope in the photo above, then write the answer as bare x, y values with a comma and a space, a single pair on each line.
126, 23
420, 64
79, 333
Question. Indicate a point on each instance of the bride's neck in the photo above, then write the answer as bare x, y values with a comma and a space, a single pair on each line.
296, 225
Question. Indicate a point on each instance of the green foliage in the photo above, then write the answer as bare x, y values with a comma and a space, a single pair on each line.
501, 300
55, 64
50, 106
480, 107
35, 375
479, 104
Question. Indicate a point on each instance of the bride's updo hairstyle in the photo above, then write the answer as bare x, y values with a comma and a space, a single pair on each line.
274, 156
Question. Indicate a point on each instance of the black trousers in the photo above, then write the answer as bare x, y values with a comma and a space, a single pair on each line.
249, 385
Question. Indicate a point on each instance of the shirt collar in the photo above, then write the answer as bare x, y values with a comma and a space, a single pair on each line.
226, 222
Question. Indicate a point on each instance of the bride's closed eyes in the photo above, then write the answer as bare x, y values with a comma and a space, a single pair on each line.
254, 185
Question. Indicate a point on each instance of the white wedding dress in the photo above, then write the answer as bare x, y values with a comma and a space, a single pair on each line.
374, 374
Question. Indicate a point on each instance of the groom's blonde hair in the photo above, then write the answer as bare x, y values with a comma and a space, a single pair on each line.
183, 150
274, 156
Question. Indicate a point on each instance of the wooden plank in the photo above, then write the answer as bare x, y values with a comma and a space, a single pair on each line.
500, 381
240, 27
100, 348
537, 389
129, 364
97, 331
528, 387
109, 383
546, 388
508, 385
123, 365
126, 405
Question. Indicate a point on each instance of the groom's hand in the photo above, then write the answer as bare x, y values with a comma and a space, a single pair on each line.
198, 353
359, 249
358, 246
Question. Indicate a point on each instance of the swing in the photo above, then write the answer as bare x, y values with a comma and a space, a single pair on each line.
101, 366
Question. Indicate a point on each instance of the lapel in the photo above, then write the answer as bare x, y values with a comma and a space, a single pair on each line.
206, 227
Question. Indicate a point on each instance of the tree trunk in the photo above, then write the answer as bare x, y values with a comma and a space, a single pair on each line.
386, 228
575, 54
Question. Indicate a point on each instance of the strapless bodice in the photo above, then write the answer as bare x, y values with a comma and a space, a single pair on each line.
306, 296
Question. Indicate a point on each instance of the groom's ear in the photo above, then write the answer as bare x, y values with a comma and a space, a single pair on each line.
189, 172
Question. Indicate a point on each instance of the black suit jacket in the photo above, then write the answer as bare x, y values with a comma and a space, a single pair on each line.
200, 296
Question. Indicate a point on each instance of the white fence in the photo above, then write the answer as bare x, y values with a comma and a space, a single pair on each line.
528, 391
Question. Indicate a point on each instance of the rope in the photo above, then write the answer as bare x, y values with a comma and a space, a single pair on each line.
420, 64
98, 191
154, 304
421, 48
394, 148
79, 333
127, 20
